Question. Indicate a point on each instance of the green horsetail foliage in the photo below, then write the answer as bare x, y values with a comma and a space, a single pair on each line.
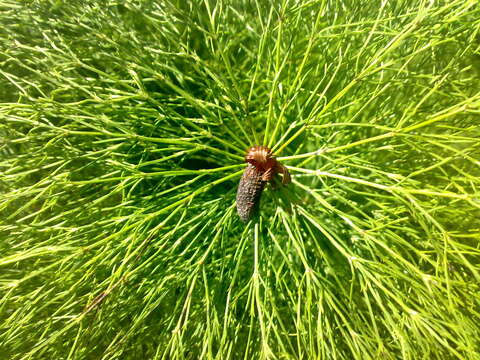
123, 130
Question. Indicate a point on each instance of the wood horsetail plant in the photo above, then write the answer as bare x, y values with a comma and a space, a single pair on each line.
123, 130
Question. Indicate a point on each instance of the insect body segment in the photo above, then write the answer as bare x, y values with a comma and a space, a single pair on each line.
249, 192
262, 167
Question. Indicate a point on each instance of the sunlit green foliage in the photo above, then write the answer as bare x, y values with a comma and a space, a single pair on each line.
123, 126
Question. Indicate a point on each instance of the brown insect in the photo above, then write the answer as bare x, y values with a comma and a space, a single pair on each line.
261, 167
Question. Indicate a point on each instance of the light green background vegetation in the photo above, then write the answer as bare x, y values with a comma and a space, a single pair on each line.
123, 126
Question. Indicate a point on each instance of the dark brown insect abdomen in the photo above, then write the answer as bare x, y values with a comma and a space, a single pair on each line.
249, 192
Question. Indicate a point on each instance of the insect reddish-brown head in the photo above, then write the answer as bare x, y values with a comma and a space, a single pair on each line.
261, 157
265, 162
